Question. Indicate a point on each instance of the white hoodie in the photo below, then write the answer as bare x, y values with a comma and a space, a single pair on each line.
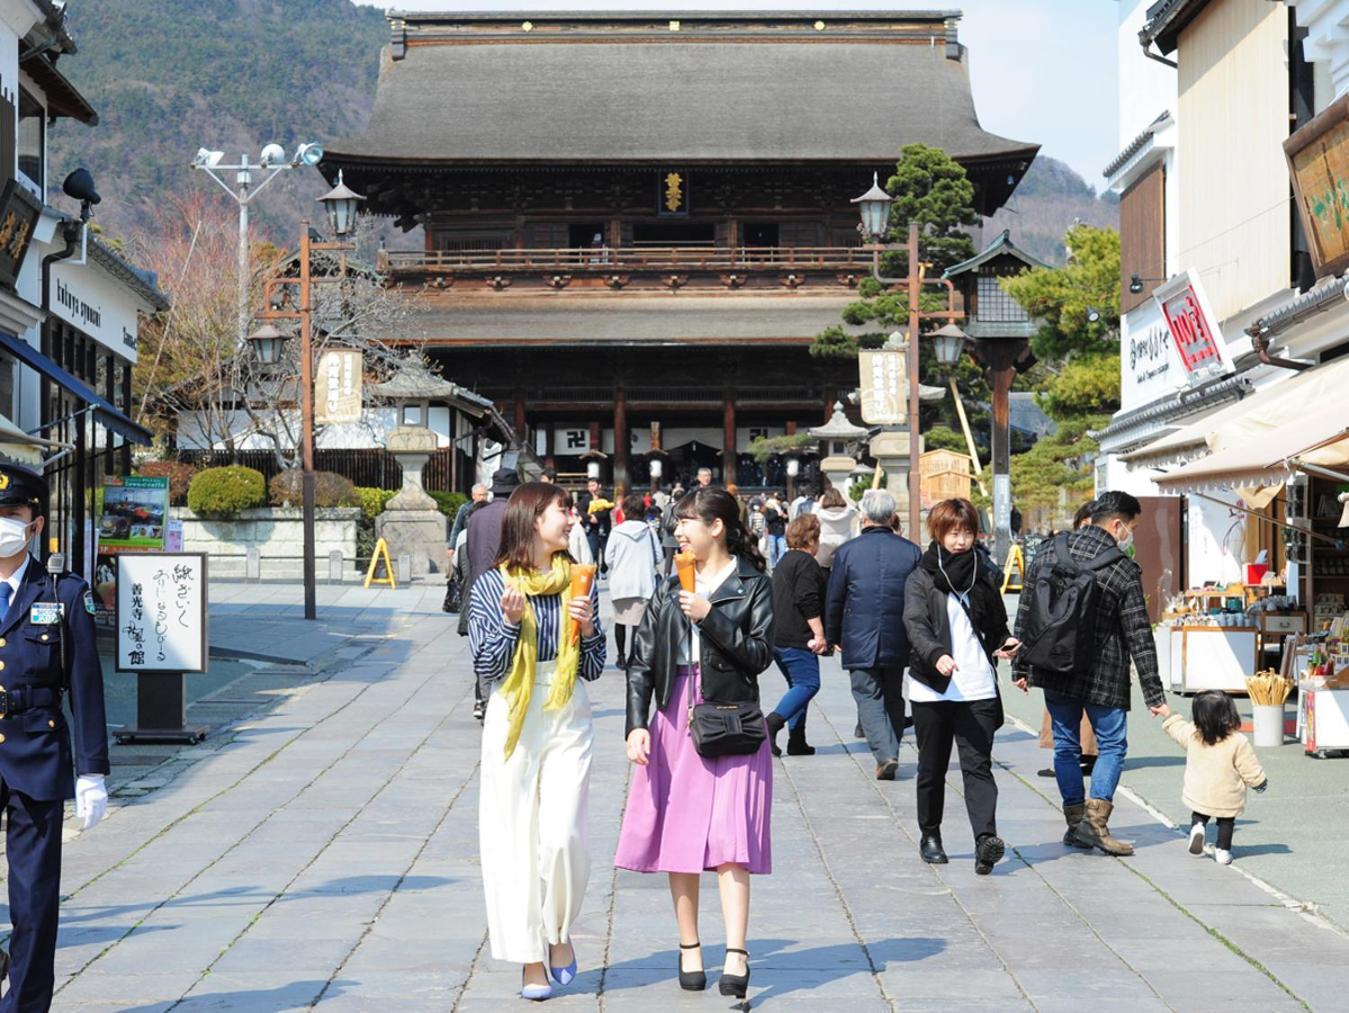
632, 556
837, 525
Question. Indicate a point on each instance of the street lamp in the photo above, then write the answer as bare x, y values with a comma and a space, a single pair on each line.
268, 343
874, 207
341, 203
949, 344
874, 210
272, 159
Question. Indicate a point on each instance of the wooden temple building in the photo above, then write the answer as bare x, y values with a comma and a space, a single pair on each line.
636, 223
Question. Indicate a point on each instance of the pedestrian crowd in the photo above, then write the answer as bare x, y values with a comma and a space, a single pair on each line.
708, 590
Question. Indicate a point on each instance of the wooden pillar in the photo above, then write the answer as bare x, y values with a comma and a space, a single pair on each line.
1001, 358
550, 446
520, 418
830, 396
728, 437
621, 445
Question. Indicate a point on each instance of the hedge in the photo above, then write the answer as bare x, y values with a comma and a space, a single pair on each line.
223, 492
373, 501
330, 489
448, 502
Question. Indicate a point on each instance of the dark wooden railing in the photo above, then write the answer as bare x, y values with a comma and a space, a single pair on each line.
631, 258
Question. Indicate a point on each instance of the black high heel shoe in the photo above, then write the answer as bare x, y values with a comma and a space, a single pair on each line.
735, 984
691, 981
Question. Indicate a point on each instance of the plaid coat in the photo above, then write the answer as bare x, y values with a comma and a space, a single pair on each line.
1122, 630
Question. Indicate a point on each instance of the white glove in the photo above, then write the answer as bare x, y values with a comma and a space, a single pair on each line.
91, 799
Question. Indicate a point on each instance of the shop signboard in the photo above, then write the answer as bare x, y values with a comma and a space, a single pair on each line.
1151, 366
98, 304
1193, 327
1318, 163
337, 387
161, 612
883, 377
19, 212
134, 510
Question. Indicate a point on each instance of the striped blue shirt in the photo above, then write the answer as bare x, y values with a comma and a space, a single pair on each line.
492, 640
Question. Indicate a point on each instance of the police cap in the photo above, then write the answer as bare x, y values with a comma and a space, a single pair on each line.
20, 485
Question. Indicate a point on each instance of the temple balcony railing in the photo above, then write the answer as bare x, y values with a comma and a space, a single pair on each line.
617, 266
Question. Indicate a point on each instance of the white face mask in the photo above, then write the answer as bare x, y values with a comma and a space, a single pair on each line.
1128, 538
13, 536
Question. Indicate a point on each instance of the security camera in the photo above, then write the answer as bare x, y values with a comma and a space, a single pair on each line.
273, 154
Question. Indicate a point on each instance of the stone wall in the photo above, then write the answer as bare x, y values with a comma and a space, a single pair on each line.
278, 535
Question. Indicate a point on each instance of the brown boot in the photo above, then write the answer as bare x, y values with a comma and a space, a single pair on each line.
1074, 814
1094, 832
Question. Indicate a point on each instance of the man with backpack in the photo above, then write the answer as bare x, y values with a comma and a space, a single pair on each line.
1082, 617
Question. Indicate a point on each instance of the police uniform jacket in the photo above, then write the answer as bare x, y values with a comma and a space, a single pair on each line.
36, 757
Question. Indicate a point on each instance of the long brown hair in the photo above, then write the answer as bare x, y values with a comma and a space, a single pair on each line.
526, 505
708, 503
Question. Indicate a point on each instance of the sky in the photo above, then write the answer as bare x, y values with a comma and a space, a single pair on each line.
1042, 70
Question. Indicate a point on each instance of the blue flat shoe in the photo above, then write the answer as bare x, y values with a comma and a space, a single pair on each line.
564, 975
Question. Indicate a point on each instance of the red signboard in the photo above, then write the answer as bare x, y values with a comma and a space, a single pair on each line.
1195, 332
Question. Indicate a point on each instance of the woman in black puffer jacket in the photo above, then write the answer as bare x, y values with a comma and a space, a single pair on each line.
957, 628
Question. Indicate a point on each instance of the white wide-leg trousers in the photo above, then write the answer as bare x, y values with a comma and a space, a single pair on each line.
532, 816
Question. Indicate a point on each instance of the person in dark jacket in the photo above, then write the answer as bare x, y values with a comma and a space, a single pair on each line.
687, 813
484, 545
597, 521
864, 616
1103, 693
957, 628
798, 632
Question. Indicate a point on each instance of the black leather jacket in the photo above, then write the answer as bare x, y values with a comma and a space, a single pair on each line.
736, 636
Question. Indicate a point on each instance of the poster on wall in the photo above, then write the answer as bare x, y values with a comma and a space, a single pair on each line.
134, 511
161, 612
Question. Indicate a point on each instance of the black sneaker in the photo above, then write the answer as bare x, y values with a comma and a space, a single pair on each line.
988, 853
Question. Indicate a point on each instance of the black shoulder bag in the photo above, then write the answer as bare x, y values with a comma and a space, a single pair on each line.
726, 729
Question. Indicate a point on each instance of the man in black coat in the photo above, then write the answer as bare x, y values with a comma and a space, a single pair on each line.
864, 617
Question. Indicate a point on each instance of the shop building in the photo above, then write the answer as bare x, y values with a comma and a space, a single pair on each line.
1232, 332
636, 224
70, 305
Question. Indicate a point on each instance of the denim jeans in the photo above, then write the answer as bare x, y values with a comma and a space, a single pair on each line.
801, 669
879, 693
777, 548
1111, 725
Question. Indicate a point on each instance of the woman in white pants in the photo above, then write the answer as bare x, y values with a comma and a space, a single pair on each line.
531, 641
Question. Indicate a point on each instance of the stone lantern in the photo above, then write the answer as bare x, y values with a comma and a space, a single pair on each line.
837, 464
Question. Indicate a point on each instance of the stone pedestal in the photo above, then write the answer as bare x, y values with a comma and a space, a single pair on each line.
412, 524
839, 470
891, 449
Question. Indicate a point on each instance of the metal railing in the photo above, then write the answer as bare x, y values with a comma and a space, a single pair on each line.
709, 257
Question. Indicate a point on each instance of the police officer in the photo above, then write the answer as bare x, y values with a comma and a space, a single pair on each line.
46, 649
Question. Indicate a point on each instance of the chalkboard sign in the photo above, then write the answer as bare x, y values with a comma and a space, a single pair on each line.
161, 612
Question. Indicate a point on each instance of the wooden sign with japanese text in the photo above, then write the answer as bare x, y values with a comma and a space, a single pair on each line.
337, 387
883, 377
19, 212
161, 612
1318, 164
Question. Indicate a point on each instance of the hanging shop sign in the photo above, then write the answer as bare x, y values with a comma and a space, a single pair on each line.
883, 377
19, 212
1151, 368
1318, 164
1193, 327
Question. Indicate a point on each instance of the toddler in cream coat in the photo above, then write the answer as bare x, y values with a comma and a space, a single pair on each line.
1220, 764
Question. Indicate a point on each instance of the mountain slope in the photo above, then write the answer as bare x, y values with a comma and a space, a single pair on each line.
1049, 199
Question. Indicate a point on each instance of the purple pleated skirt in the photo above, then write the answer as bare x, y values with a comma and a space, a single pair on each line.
689, 813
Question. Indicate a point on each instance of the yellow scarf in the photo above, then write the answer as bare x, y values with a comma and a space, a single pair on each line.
519, 684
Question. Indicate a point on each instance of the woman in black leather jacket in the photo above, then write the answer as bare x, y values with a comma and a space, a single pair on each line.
687, 813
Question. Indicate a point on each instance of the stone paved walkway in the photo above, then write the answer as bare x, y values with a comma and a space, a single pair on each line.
321, 848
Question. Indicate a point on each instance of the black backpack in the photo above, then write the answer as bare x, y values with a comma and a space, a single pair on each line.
1060, 630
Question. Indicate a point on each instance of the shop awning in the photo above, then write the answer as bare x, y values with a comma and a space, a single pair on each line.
105, 412
19, 446
1315, 435
1251, 421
